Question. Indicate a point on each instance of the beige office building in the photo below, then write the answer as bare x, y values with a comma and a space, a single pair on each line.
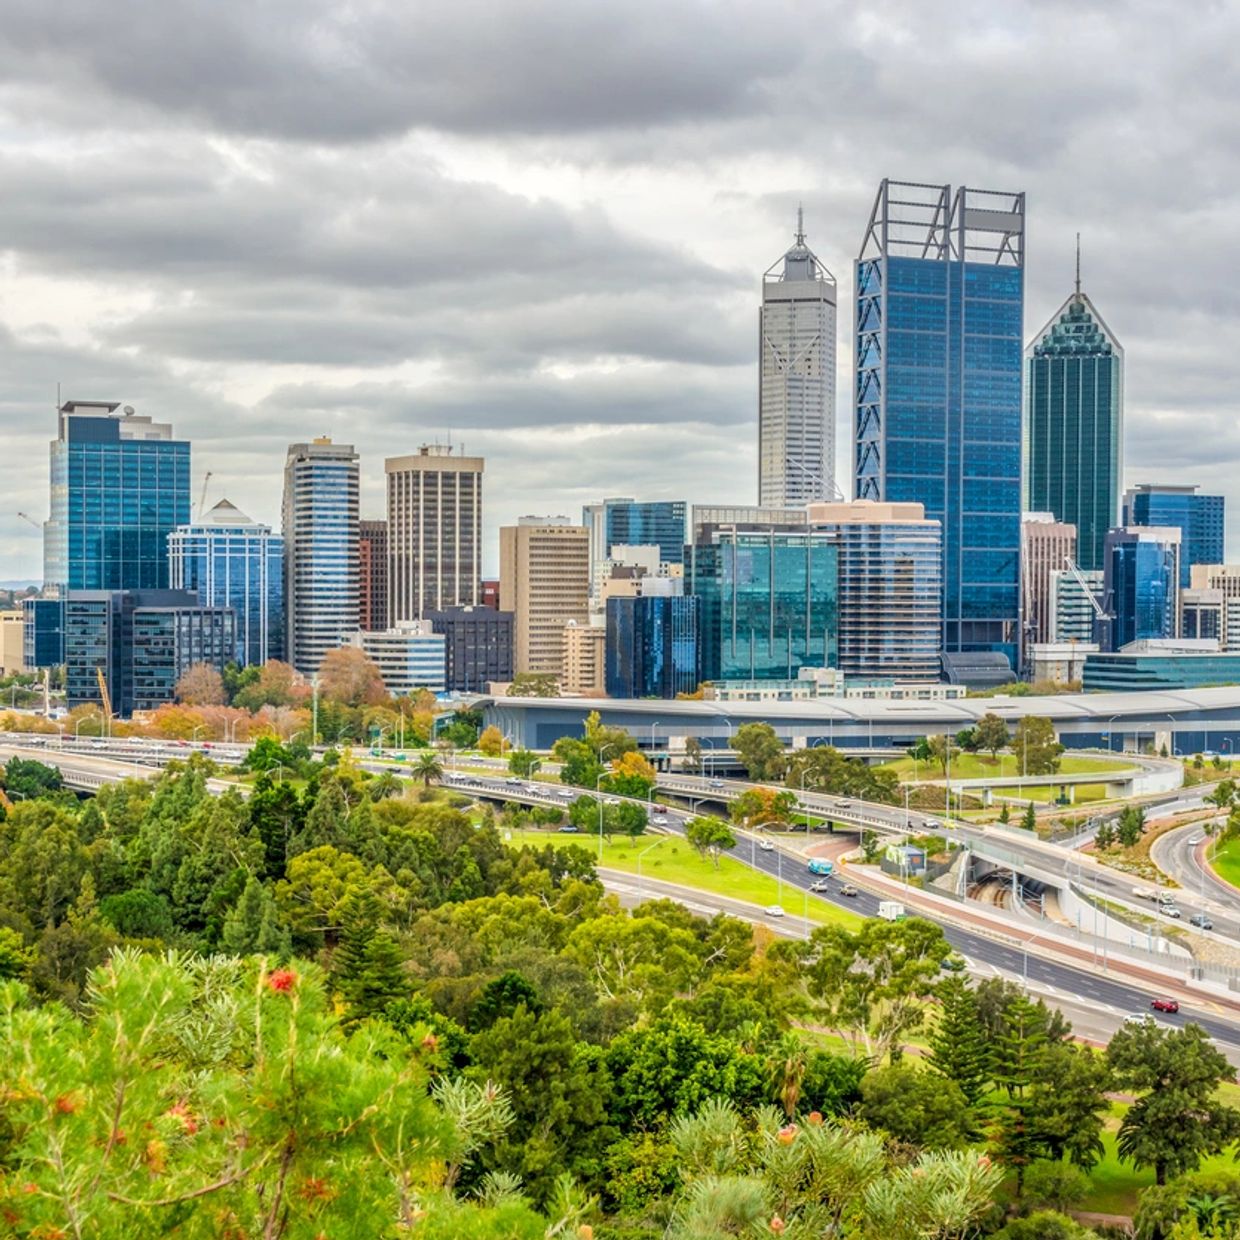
1045, 545
544, 580
11, 639
584, 668
434, 532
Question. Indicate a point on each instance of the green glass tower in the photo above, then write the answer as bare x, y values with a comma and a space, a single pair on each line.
1073, 424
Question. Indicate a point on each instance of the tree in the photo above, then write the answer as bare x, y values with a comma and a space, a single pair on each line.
1104, 837
916, 1107
349, 676
253, 925
427, 767
274, 684
201, 685
966, 739
631, 775
1055, 1186
491, 742
1178, 1119
30, 778
1005, 813
523, 762
941, 749
1223, 796
992, 734
760, 750
1045, 1225
1131, 825
693, 755
534, 684
1029, 820
755, 806
957, 1048
823, 768
1035, 746
138, 914
266, 754
367, 967
710, 836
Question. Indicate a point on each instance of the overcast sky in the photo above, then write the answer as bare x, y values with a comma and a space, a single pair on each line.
540, 228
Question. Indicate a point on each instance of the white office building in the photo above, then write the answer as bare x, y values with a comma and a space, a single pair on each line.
409, 656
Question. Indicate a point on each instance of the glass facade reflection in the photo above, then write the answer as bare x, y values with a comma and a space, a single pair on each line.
768, 602
227, 560
652, 646
940, 304
660, 523
1199, 518
1074, 426
1142, 584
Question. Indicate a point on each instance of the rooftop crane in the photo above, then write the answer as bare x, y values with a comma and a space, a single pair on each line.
202, 499
1100, 611
29, 520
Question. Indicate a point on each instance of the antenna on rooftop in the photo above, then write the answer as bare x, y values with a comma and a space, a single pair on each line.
1078, 264
800, 224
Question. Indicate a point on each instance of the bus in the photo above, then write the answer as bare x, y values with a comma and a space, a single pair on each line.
821, 867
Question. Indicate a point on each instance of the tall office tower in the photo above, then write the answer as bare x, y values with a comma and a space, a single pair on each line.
768, 601
372, 575
320, 550
227, 560
1142, 584
1072, 613
890, 582
1074, 421
434, 517
544, 580
120, 486
796, 380
940, 302
1199, 518
652, 646
1045, 545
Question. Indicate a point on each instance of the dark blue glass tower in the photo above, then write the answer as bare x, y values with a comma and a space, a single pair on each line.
1199, 518
652, 646
659, 523
1142, 585
940, 308
120, 486
769, 602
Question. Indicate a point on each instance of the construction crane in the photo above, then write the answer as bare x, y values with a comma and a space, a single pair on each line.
29, 520
107, 698
202, 499
1100, 611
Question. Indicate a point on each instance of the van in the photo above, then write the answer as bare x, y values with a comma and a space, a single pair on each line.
891, 910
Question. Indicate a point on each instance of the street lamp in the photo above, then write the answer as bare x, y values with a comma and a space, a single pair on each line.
194, 735
640, 855
1110, 733
77, 727
598, 792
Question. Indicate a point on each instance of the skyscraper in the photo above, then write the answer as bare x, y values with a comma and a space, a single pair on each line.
1142, 584
1199, 518
544, 580
1045, 545
227, 560
652, 646
320, 550
372, 575
434, 518
940, 302
890, 580
120, 486
796, 380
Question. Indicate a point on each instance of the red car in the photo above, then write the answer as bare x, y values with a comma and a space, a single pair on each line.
1165, 1005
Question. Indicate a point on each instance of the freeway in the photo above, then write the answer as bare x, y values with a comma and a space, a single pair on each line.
1181, 853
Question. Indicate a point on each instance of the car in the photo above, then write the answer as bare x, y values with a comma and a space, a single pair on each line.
533, 788
820, 884
1200, 919
568, 829
1170, 910
1165, 1005
659, 820
774, 910
843, 805
766, 846
715, 783
848, 890
659, 809
514, 781
932, 824
953, 963
1137, 1018
611, 800
1194, 840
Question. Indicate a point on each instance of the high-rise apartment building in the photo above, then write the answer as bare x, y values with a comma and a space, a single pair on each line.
768, 601
652, 646
1073, 614
1199, 518
1142, 584
940, 303
544, 580
320, 550
434, 519
582, 672
227, 560
1074, 422
372, 575
796, 380
890, 580
1045, 545
120, 484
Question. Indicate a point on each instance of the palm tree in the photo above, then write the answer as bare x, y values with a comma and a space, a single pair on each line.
427, 768
785, 1070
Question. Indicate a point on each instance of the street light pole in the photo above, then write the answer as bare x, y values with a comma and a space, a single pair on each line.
640, 855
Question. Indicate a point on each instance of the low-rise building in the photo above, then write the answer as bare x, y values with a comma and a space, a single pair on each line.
1060, 663
477, 644
1161, 665
821, 683
410, 655
12, 643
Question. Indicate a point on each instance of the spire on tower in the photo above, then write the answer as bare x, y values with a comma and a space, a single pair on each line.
1078, 264
800, 224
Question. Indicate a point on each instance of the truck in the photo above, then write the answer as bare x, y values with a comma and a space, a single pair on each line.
891, 910
818, 866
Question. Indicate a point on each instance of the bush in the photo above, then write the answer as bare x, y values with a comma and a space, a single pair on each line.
1054, 1186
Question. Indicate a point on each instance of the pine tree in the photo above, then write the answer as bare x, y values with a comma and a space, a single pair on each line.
1005, 814
253, 925
1030, 820
367, 965
957, 1050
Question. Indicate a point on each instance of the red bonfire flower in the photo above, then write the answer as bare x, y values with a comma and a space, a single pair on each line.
282, 980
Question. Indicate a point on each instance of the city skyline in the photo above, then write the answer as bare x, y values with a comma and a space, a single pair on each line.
405, 265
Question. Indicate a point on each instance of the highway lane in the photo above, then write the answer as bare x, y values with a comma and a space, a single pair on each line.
1096, 988
1181, 853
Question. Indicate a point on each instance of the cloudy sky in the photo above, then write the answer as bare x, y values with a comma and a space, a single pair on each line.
539, 228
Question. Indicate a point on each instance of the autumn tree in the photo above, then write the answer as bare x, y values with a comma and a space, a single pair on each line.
631, 775
756, 806
201, 685
534, 684
348, 675
275, 684
491, 742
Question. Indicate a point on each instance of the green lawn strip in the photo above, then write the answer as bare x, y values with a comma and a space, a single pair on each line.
982, 766
1225, 861
674, 861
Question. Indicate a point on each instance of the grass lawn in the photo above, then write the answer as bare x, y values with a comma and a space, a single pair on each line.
1044, 796
982, 766
674, 861
1226, 862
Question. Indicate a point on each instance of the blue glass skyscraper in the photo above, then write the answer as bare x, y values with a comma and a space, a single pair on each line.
652, 646
1142, 585
768, 600
939, 335
627, 522
227, 560
1199, 518
120, 486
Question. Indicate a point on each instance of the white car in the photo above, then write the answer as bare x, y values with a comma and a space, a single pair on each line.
1170, 910
774, 910
659, 820
1137, 1018
766, 846
820, 884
